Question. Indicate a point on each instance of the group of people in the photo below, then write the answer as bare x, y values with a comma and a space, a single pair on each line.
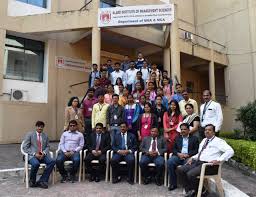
135, 107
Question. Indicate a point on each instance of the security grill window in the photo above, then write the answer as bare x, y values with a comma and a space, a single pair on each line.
24, 59
107, 3
39, 3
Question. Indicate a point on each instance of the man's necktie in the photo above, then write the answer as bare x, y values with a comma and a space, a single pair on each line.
204, 146
154, 145
98, 142
123, 142
39, 143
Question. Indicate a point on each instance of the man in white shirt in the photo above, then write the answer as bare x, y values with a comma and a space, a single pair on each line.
131, 76
187, 100
116, 74
210, 113
212, 150
145, 72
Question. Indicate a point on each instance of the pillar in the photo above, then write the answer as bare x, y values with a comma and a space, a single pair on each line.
175, 51
2, 47
167, 60
211, 71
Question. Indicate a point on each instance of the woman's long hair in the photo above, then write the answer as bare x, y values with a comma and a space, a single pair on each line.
177, 110
71, 101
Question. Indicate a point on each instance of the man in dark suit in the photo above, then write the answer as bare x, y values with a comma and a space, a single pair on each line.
153, 149
124, 145
36, 145
185, 146
98, 143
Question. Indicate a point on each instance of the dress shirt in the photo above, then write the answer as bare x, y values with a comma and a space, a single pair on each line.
131, 76
87, 106
182, 104
150, 148
184, 145
99, 114
217, 149
93, 75
213, 115
177, 97
145, 73
125, 65
115, 115
71, 141
118, 74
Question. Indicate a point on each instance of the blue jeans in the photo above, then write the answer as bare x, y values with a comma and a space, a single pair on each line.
62, 158
35, 164
173, 162
113, 131
158, 161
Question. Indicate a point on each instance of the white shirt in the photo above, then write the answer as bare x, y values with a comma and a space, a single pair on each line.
213, 115
131, 76
217, 149
114, 75
145, 73
182, 104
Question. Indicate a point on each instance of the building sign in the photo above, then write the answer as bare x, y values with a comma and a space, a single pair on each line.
72, 64
136, 15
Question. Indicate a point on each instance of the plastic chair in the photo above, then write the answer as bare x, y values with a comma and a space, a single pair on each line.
216, 177
153, 165
97, 162
67, 163
27, 166
124, 163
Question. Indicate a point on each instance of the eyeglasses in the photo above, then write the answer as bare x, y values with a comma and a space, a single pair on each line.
72, 125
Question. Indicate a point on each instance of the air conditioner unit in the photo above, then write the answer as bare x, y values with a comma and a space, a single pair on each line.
188, 36
19, 95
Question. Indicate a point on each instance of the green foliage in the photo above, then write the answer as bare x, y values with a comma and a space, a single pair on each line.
247, 116
245, 151
236, 134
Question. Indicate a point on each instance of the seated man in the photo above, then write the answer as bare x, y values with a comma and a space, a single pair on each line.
185, 146
211, 150
36, 145
153, 148
98, 144
124, 145
71, 142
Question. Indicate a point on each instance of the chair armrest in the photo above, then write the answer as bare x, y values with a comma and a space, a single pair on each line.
136, 155
170, 155
81, 153
57, 151
51, 154
85, 152
140, 155
165, 156
111, 154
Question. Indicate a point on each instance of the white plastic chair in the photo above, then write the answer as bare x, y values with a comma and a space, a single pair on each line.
124, 163
97, 162
27, 166
67, 163
153, 165
216, 177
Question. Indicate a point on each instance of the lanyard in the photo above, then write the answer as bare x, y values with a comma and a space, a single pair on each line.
100, 106
205, 108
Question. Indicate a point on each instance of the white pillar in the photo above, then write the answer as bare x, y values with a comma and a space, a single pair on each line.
167, 60
96, 45
211, 72
2, 48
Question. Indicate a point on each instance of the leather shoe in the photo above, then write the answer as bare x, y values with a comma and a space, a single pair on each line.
116, 180
43, 185
63, 179
190, 193
33, 184
97, 179
91, 179
158, 181
131, 182
146, 181
172, 187
73, 178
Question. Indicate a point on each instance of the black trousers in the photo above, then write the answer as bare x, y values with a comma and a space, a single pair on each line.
188, 174
92, 171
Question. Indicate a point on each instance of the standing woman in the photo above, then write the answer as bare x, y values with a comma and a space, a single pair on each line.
167, 89
73, 112
118, 83
123, 98
172, 118
146, 121
159, 111
152, 90
108, 95
138, 92
132, 112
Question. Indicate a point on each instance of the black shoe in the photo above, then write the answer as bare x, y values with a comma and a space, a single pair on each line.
73, 178
205, 193
116, 180
33, 184
131, 182
146, 181
63, 179
190, 193
91, 179
172, 187
43, 185
158, 181
97, 179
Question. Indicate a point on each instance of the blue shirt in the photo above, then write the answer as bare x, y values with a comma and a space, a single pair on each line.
177, 97
165, 102
110, 69
184, 145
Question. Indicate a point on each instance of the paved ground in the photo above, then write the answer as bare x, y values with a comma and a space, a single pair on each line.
10, 157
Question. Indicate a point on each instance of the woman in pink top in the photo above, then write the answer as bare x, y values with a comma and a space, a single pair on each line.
167, 89
108, 96
171, 120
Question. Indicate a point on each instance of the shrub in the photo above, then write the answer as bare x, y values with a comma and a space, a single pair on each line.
236, 134
245, 151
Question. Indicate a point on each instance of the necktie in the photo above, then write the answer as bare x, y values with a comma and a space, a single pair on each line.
39, 144
154, 145
98, 142
204, 146
123, 142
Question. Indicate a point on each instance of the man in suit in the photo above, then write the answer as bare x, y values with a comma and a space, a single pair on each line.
124, 145
185, 146
71, 142
36, 145
98, 144
153, 148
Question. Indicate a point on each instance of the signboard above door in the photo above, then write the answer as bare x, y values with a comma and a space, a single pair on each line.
136, 15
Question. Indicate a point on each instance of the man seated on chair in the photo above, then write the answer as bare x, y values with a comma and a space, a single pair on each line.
124, 145
211, 150
71, 142
153, 148
98, 144
36, 145
185, 146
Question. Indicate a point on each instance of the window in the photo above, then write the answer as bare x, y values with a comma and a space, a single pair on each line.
39, 3
107, 3
24, 59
